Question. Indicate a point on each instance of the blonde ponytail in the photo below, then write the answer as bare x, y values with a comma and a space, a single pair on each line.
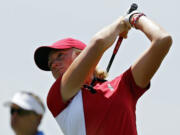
99, 73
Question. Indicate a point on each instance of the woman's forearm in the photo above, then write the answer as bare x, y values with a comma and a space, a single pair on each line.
83, 66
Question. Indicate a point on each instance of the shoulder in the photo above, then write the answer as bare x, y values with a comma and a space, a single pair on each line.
54, 98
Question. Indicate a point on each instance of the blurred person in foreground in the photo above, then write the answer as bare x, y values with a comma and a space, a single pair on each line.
109, 108
26, 111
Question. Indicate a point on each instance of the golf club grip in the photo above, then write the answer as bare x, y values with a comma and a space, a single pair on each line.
133, 7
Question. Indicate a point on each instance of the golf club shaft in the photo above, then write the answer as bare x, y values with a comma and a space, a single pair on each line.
132, 8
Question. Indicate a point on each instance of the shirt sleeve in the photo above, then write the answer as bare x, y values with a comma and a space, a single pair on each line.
54, 99
136, 90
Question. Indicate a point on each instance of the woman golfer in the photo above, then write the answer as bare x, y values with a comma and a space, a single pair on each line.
111, 110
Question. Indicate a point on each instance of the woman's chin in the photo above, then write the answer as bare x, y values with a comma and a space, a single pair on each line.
56, 76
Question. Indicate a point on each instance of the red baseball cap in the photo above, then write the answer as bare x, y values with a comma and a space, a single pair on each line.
42, 53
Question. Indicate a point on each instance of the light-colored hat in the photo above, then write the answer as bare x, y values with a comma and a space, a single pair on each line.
27, 101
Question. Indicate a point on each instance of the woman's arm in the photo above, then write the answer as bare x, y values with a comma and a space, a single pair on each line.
147, 65
84, 65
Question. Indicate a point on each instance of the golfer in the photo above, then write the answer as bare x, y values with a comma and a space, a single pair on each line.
111, 109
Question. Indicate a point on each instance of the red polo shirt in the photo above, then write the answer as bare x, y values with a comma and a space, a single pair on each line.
110, 111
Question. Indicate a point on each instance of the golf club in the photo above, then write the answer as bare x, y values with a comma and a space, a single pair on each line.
133, 7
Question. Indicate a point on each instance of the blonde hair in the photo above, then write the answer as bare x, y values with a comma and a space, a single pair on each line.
99, 73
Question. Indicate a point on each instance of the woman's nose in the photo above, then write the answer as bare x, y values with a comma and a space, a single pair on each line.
54, 64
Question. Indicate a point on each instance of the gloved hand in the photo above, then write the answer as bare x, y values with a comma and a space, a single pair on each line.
133, 17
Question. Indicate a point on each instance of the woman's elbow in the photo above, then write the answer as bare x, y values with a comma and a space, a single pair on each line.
98, 42
164, 42
167, 40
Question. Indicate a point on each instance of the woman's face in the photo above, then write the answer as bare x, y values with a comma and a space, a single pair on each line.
60, 60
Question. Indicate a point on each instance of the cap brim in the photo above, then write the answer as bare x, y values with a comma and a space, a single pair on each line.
41, 57
42, 53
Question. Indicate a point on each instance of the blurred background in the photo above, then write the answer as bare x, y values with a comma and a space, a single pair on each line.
28, 24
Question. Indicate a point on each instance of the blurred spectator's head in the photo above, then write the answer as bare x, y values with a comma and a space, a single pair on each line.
26, 111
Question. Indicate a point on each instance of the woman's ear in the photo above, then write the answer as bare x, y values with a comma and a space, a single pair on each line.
77, 51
